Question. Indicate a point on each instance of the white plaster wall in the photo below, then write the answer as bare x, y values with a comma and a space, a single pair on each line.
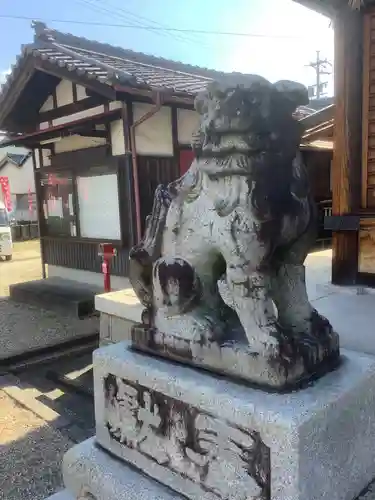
117, 138
187, 124
48, 104
91, 278
75, 142
64, 93
21, 179
81, 92
115, 105
77, 116
154, 136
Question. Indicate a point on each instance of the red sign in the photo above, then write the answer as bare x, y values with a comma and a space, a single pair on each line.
5, 188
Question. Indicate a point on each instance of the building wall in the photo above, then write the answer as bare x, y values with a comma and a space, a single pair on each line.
64, 95
76, 255
91, 278
154, 136
187, 124
368, 115
22, 187
21, 179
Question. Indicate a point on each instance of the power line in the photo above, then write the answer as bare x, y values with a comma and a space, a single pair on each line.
140, 19
120, 13
152, 28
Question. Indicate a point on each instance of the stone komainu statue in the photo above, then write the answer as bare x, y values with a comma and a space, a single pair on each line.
220, 266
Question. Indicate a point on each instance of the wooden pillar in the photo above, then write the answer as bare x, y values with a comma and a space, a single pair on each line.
39, 208
347, 157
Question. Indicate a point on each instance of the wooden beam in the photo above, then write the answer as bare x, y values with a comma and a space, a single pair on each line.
30, 140
75, 97
39, 211
72, 108
148, 95
347, 158
365, 105
127, 122
176, 152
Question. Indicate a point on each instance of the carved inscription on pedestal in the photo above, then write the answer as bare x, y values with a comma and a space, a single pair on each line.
227, 461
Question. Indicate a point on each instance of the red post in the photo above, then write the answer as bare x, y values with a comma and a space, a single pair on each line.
107, 274
107, 252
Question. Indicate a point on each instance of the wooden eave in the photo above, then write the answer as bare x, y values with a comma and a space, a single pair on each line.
30, 65
331, 8
323, 130
15, 89
328, 8
149, 95
75, 127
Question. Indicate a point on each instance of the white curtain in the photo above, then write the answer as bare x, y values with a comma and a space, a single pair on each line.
99, 214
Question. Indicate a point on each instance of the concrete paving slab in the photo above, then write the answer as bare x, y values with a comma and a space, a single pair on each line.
61, 495
351, 310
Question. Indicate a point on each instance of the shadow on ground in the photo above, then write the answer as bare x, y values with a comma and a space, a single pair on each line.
31, 453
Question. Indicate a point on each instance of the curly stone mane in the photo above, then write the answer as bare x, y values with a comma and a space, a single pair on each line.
258, 142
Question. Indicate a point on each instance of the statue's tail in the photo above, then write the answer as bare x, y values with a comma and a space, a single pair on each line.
148, 250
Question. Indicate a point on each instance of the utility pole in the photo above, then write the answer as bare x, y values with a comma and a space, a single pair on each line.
321, 68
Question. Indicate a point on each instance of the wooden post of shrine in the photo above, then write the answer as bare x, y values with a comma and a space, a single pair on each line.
347, 158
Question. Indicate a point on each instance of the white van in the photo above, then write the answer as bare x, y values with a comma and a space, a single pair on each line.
6, 244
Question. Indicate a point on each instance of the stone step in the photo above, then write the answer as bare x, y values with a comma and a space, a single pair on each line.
65, 296
90, 472
61, 495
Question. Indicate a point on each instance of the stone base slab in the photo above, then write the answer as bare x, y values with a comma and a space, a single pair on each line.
314, 444
305, 362
61, 495
92, 474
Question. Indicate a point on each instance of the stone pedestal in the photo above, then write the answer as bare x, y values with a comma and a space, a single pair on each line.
165, 431
207, 438
90, 473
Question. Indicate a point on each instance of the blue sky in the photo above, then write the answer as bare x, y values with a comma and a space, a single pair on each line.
297, 32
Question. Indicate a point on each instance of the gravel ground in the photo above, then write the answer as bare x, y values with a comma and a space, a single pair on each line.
32, 442
31, 452
24, 327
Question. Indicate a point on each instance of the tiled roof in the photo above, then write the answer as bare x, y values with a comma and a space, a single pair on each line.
111, 65
110, 69
15, 158
114, 65
18, 159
